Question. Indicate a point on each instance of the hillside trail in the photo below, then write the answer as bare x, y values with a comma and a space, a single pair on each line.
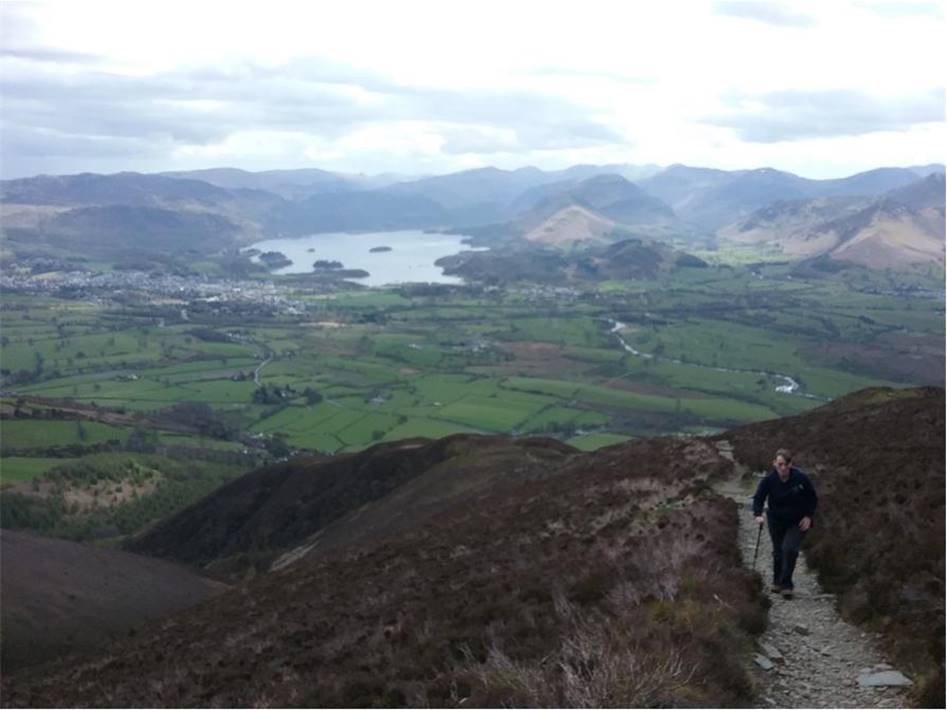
808, 656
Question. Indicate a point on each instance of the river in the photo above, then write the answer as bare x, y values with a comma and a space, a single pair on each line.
788, 386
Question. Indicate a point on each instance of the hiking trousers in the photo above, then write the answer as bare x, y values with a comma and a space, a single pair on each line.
787, 538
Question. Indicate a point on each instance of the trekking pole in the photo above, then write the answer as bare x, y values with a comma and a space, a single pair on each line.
757, 550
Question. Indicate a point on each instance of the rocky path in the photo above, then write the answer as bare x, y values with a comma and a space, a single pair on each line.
809, 656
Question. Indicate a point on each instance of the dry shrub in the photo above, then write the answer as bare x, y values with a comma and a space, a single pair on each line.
596, 665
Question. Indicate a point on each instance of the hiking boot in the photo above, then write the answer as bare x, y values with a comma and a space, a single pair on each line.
787, 593
775, 588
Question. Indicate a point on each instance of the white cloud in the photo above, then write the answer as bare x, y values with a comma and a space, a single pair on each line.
430, 86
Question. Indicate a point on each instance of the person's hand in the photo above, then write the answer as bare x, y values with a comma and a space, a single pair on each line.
759, 519
805, 523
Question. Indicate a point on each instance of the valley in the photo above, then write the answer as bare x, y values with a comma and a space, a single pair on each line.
395, 355
447, 400
223, 375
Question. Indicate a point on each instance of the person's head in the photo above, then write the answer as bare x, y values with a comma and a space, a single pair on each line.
782, 462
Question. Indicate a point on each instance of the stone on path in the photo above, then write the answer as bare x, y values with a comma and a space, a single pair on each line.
826, 662
883, 679
772, 652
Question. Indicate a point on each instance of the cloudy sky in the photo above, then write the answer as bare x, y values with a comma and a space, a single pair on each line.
822, 89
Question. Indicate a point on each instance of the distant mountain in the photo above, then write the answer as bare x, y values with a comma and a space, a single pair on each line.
118, 189
872, 182
485, 195
921, 194
712, 199
289, 184
626, 170
61, 597
120, 230
903, 227
108, 214
475, 196
677, 185
925, 170
364, 210
571, 211
569, 225
236, 207
616, 198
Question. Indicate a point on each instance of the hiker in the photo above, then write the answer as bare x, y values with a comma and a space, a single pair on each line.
792, 504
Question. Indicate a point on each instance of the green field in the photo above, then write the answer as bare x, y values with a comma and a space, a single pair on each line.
25, 434
16, 469
591, 442
365, 366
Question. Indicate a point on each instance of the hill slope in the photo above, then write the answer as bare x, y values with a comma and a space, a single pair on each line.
712, 199
250, 522
487, 572
61, 597
613, 579
105, 215
877, 460
901, 228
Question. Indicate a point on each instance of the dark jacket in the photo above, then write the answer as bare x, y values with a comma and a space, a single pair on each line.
788, 502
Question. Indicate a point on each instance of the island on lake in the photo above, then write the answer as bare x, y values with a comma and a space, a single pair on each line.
326, 264
275, 259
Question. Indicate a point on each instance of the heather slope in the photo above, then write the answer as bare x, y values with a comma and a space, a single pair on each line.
61, 597
491, 572
249, 523
615, 580
877, 457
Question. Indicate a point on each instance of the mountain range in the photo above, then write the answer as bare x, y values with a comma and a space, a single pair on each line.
219, 209
488, 571
901, 227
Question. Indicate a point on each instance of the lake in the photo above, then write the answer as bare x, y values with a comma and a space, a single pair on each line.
411, 258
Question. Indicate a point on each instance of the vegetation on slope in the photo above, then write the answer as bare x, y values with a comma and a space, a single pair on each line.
877, 459
614, 581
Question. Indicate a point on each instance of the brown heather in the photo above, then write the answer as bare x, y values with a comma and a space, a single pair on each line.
488, 572
612, 580
877, 460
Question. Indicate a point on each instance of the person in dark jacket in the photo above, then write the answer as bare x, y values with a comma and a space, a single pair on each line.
792, 503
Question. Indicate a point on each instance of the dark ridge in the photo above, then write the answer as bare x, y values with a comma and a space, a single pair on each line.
250, 522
